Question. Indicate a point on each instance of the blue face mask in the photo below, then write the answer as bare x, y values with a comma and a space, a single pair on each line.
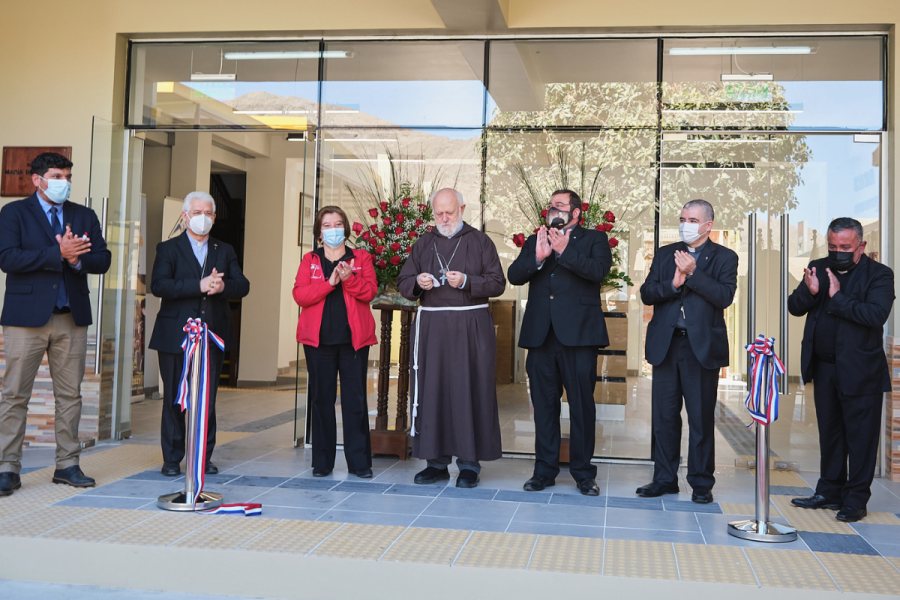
57, 190
333, 237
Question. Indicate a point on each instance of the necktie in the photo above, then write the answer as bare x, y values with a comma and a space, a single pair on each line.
62, 298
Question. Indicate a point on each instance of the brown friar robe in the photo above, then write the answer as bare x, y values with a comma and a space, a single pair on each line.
457, 393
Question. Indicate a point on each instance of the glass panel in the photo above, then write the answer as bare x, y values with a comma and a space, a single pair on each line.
572, 83
271, 85
416, 84
778, 83
115, 188
622, 164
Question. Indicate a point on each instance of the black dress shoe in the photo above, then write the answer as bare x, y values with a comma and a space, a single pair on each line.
849, 514
430, 475
73, 476
211, 469
321, 472
363, 473
171, 469
816, 501
655, 489
538, 483
9, 482
588, 487
702, 495
467, 479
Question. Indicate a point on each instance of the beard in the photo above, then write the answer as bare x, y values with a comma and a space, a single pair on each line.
450, 228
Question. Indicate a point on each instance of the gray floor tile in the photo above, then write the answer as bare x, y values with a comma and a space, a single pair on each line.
404, 505
220, 479
635, 503
367, 518
426, 491
482, 509
102, 502
688, 506
237, 493
136, 489
301, 498
469, 523
256, 481
287, 512
155, 475
515, 496
891, 550
474, 494
561, 514
304, 483
790, 490
837, 542
882, 534
653, 535
577, 500
550, 529
362, 487
644, 519
715, 531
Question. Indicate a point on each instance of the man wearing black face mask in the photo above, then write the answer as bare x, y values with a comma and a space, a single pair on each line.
847, 298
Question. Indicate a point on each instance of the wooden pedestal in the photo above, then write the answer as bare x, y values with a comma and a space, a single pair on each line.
386, 439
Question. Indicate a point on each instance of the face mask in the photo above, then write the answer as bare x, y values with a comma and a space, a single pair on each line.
333, 237
558, 219
689, 232
841, 261
57, 190
200, 224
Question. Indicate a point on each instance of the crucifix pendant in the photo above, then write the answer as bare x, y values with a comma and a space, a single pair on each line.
443, 276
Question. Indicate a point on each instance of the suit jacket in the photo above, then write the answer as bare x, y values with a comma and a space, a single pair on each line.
705, 296
565, 291
176, 280
30, 257
862, 307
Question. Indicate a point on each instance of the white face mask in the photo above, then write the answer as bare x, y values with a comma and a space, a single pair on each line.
690, 232
200, 224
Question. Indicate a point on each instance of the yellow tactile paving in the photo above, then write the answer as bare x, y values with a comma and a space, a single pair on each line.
121, 461
99, 525
42, 520
228, 532
789, 569
791, 478
359, 541
431, 546
567, 555
226, 437
293, 537
862, 574
162, 529
882, 518
497, 550
713, 564
895, 561
645, 560
806, 519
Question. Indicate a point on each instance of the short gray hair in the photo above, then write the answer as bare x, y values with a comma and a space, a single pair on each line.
186, 207
708, 213
842, 223
459, 197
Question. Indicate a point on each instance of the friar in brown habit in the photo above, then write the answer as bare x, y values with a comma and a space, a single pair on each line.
453, 270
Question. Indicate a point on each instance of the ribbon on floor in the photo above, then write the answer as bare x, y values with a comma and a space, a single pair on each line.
249, 509
765, 367
196, 339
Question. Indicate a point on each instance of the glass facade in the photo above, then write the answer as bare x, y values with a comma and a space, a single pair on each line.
757, 126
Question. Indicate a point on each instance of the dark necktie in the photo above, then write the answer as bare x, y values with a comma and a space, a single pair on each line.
62, 298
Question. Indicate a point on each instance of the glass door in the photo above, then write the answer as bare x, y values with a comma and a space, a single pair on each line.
115, 195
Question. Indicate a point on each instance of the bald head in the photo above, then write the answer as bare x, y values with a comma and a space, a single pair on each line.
448, 207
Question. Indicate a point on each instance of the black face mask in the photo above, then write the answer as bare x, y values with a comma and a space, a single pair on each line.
841, 261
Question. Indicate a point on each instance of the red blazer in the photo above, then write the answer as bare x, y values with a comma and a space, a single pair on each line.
311, 287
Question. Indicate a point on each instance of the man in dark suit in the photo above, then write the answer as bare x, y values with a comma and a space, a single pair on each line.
563, 328
195, 276
689, 286
846, 298
47, 248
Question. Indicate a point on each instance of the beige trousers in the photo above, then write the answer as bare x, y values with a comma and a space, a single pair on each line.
66, 345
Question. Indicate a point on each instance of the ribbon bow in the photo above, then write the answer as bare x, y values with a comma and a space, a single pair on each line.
765, 367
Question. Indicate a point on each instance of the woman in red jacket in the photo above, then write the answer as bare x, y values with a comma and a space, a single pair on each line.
334, 286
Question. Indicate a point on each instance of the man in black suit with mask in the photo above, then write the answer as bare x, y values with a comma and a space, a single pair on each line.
563, 328
690, 284
846, 298
195, 275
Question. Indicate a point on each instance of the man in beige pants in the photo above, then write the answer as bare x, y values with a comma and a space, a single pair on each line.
46, 308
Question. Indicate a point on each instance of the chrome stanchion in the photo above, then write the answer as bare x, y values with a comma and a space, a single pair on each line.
183, 501
761, 529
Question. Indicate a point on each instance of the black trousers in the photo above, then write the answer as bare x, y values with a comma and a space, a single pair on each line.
848, 430
681, 378
172, 433
324, 364
552, 367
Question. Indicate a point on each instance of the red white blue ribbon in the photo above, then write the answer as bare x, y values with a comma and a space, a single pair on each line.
248, 509
762, 400
197, 340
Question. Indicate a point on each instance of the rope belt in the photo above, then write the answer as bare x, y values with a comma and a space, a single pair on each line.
415, 409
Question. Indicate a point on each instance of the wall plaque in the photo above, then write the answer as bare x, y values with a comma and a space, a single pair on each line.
15, 179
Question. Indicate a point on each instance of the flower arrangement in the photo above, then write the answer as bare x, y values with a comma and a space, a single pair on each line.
594, 215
